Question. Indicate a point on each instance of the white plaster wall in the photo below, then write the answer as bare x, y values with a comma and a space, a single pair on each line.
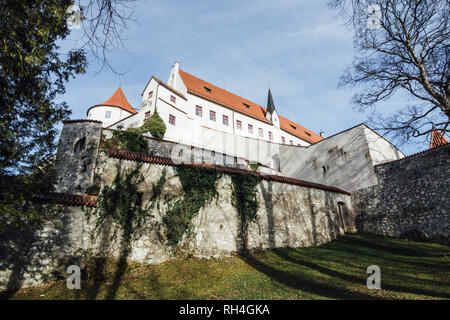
99, 113
344, 160
380, 149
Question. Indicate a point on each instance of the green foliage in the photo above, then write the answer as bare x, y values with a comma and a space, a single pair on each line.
33, 73
155, 125
18, 191
244, 195
130, 141
157, 188
121, 202
255, 166
199, 186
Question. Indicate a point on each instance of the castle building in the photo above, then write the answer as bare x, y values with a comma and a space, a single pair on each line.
115, 109
193, 108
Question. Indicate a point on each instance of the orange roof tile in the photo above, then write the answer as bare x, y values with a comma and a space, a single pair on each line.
119, 100
210, 92
437, 139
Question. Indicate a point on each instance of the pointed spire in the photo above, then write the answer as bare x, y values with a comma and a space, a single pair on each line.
270, 104
437, 139
119, 100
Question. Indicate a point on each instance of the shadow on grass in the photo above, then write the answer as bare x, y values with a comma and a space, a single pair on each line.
303, 282
384, 245
354, 279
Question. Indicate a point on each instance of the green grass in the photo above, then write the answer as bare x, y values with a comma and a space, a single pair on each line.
337, 270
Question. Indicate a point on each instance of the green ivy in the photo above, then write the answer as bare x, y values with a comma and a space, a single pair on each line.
199, 186
244, 195
155, 125
121, 202
131, 141
254, 166
157, 189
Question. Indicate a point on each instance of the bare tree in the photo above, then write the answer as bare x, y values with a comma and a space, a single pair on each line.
401, 46
103, 23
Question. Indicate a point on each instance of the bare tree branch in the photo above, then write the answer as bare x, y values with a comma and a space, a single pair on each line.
409, 52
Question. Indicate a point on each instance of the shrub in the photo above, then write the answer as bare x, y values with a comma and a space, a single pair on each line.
155, 125
131, 141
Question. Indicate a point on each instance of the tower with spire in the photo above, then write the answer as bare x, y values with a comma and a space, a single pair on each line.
112, 110
271, 113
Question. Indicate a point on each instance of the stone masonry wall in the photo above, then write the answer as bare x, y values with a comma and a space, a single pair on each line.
288, 215
411, 199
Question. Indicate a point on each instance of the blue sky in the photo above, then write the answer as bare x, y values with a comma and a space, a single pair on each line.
300, 47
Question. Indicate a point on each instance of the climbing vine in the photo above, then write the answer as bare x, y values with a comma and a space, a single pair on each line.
126, 140
157, 189
199, 186
155, 125
121, 202
254, 166
244, 195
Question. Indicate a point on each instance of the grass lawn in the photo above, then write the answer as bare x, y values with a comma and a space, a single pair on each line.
337, 270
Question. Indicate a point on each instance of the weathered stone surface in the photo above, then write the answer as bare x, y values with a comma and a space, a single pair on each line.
411, 199
76, 156
288, 215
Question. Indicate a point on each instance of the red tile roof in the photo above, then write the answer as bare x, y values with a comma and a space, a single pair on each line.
165, 86
81, 120
142, 157
68, 199
437, 139
210, 92
119, 100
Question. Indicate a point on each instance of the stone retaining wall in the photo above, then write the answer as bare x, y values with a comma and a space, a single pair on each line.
411, 199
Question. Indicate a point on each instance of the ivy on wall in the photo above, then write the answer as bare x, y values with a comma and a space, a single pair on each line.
125, 140
244, 195
121, 202
199, 187
155, 125
157, 189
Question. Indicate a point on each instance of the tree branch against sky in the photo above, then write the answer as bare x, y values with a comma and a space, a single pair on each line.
103, 23
402, 46
33, 75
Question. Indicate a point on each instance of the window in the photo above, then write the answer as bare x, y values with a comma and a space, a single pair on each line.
238, 124
147, 115
299, 144
108, 114
150, 94
283, 140
198, 111
270, 136
293, 127
173, 99
309, 134
250, 129
207, 89
171, 119
291, 142
260, 132
225, 120
212, 115
247, 105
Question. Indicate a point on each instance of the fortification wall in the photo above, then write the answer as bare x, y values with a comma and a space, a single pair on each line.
288, 214
411, 199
